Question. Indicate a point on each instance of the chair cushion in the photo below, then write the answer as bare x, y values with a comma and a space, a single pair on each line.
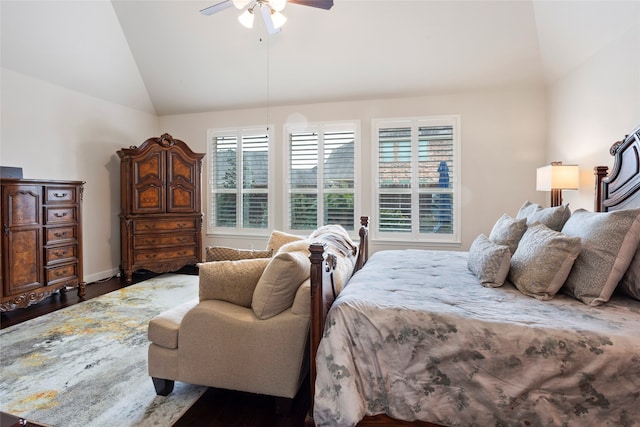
280, 280
231, 281
163, 329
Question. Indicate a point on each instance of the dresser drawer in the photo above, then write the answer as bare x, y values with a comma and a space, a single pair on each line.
60, 254
54, 195
166, 254
141, 241
60, 215
61, 234
64, 273
164, 225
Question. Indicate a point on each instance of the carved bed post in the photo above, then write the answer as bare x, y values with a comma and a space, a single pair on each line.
600, 172
317, 309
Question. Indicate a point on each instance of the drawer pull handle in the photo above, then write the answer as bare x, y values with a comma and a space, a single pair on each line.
60, 215
150, 242
151, 256
59, 273
59, 253
149, 226
58, 234
60, 195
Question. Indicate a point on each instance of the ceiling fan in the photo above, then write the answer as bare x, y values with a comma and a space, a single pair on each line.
269, 9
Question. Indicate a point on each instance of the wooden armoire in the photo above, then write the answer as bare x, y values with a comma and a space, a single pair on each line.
161, 214
41, 240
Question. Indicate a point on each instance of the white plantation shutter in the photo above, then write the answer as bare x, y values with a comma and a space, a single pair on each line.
417, 178
239, 195
322, 177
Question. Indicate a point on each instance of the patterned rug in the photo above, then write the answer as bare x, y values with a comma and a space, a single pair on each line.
86, 365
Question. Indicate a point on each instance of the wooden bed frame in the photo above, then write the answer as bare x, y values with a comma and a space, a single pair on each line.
619, 190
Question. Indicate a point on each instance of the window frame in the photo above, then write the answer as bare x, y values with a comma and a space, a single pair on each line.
415, 236
321, 128
239, 133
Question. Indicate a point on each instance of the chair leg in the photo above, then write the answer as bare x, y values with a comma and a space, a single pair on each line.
283, 405
163, 387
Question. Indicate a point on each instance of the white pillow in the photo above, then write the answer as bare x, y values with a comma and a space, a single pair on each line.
553, 217
489, 261
508, 231
542, 262
609, 242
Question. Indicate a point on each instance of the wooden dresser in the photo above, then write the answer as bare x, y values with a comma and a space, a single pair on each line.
160, 196
41, 240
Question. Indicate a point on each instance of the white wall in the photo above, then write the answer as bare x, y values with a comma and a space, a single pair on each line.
55, 133
503, 138
592, 107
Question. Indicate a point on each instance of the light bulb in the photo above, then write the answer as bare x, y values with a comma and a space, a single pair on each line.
277, 5
240, 3
246, 18
278, 19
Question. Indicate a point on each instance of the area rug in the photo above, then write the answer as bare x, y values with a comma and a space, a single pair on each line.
86, 365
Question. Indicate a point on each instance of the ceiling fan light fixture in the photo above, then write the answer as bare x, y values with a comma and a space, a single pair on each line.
246, 19
277, 5
278, 19
240, 4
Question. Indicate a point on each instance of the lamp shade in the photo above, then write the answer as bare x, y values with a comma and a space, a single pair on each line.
558, 177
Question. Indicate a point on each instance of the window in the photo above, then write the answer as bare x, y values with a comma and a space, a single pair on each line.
321, 184
417, 177
239, 195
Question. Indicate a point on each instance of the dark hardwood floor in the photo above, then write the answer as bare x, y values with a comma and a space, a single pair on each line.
216, 407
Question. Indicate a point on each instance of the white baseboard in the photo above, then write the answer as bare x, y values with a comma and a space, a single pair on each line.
96, 277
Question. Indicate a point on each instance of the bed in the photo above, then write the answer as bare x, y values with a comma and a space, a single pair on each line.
419, 337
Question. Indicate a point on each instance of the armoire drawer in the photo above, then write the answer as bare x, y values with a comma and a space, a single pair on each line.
60, 254
166, 254
60, 215
62, 273
141, 241
60, 234
164, 225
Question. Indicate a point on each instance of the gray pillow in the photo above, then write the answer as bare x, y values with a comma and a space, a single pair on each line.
508, 231
543, 260
630, 283
554, 217
489, 261
609, 242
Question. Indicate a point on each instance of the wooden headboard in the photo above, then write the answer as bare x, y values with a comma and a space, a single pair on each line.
619, 190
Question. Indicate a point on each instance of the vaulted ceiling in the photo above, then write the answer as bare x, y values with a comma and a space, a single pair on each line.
164, 57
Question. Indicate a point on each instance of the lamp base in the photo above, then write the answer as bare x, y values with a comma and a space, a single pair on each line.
556, 197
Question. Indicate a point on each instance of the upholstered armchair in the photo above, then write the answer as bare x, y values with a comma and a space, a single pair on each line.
247, 331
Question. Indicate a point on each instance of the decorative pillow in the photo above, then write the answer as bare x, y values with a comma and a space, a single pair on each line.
232, 281
543, 261
489, 261
508, 231
630, 283
221, 253
609, 242
278, 284
279, 238
554, 217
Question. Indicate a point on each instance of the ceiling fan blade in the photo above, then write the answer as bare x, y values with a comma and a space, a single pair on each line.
320, 4
216, 7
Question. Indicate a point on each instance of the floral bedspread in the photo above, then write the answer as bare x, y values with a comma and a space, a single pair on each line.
414, 335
